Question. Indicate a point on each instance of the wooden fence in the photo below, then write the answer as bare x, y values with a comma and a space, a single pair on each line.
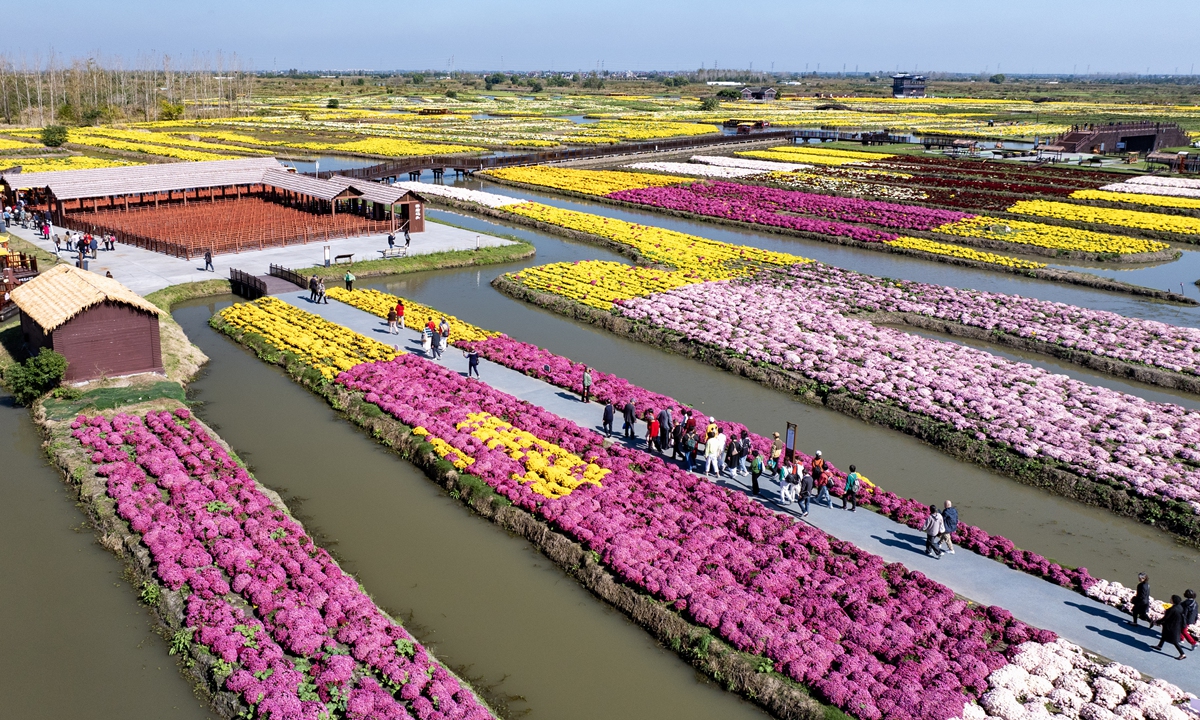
246, 285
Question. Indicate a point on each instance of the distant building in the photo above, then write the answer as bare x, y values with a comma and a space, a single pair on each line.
758, 93
906, 85
101, 327
1143, 136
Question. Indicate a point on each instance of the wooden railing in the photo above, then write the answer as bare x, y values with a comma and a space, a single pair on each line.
246, 285
287, 274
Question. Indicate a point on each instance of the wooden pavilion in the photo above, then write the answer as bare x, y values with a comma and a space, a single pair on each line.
103, 328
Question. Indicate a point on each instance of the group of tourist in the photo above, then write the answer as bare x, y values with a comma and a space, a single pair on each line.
434, 339
1176, 621
316, 290
84, 243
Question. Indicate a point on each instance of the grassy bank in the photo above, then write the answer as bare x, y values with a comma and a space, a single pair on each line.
420, 263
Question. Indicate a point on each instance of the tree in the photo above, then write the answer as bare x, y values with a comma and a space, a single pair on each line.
451, 94
729, 94
418, 78
333, 103
536, 86
38, 375
54, 135
996, 79
710, 103
594, 82
168, 110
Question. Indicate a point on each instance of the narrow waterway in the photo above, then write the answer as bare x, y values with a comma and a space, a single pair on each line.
1069, 532
488, 603
74, 641
1163, 276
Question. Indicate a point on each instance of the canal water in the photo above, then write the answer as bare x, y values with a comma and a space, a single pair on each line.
74, 641
488, 603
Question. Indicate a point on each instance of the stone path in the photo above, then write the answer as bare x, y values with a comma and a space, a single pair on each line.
1079, 619
145, 271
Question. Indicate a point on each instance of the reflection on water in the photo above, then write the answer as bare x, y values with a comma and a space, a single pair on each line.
486, 601
330, 163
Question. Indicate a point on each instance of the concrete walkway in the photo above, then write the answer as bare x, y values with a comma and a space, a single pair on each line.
145, 271
1079, 619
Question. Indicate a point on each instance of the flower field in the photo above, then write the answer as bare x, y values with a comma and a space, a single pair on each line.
72, 162
815, 155
696, 169
1143, 188
587, 182
416, 315
726, 562
295, 636
1108, 216
1151, 449
1099, 332
958, 251
328, 347
1138, 198
1055, 237
738, 162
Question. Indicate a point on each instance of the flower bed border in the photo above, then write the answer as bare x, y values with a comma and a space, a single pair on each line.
698, 646
961, 445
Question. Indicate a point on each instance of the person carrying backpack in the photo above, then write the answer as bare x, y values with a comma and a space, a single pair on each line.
933, 527
806, 486
756, 470
349, 278
850, 494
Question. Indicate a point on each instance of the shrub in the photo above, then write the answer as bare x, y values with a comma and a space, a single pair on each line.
36, 376
536, 86
996, 79
710, 104
451, 93
729, 94
168, 110
54, 135
333, 103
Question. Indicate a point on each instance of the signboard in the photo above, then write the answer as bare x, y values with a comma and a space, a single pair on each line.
789, 443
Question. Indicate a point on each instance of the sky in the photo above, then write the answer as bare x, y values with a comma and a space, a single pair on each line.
1014, 37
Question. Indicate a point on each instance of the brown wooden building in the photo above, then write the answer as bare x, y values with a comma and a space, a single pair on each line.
101, 327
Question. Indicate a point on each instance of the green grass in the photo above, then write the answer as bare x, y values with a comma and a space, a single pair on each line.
419, 263
109, 398
169, 297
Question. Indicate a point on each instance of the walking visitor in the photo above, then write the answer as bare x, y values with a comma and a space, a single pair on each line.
950, 521
407, 239
610, 414
933, 527
1172, 626
208, 265
806, 487
349, 281
711, 450
789, 486
400, 313
391, 321
756, 470
436, 341
444, 327
691, 444
722, 441
391, 241
850, 493
630, 417
1189, 615
1141, 601
321, 296
472, 357
665, 427
652, 431
312, 288
586, 393
427, 339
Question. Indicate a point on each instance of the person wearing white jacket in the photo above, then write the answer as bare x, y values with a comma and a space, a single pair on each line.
933, 527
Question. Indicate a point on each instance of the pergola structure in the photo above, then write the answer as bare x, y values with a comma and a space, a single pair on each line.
185, 209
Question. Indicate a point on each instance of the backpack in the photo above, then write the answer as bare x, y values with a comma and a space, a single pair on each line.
756, 466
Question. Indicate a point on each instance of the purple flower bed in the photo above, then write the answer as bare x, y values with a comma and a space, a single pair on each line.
566, 373
300, 636
877, 640
770, 206
1150, 448
1098, 332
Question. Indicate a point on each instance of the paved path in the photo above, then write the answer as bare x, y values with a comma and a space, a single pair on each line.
1079, 619
144, 271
